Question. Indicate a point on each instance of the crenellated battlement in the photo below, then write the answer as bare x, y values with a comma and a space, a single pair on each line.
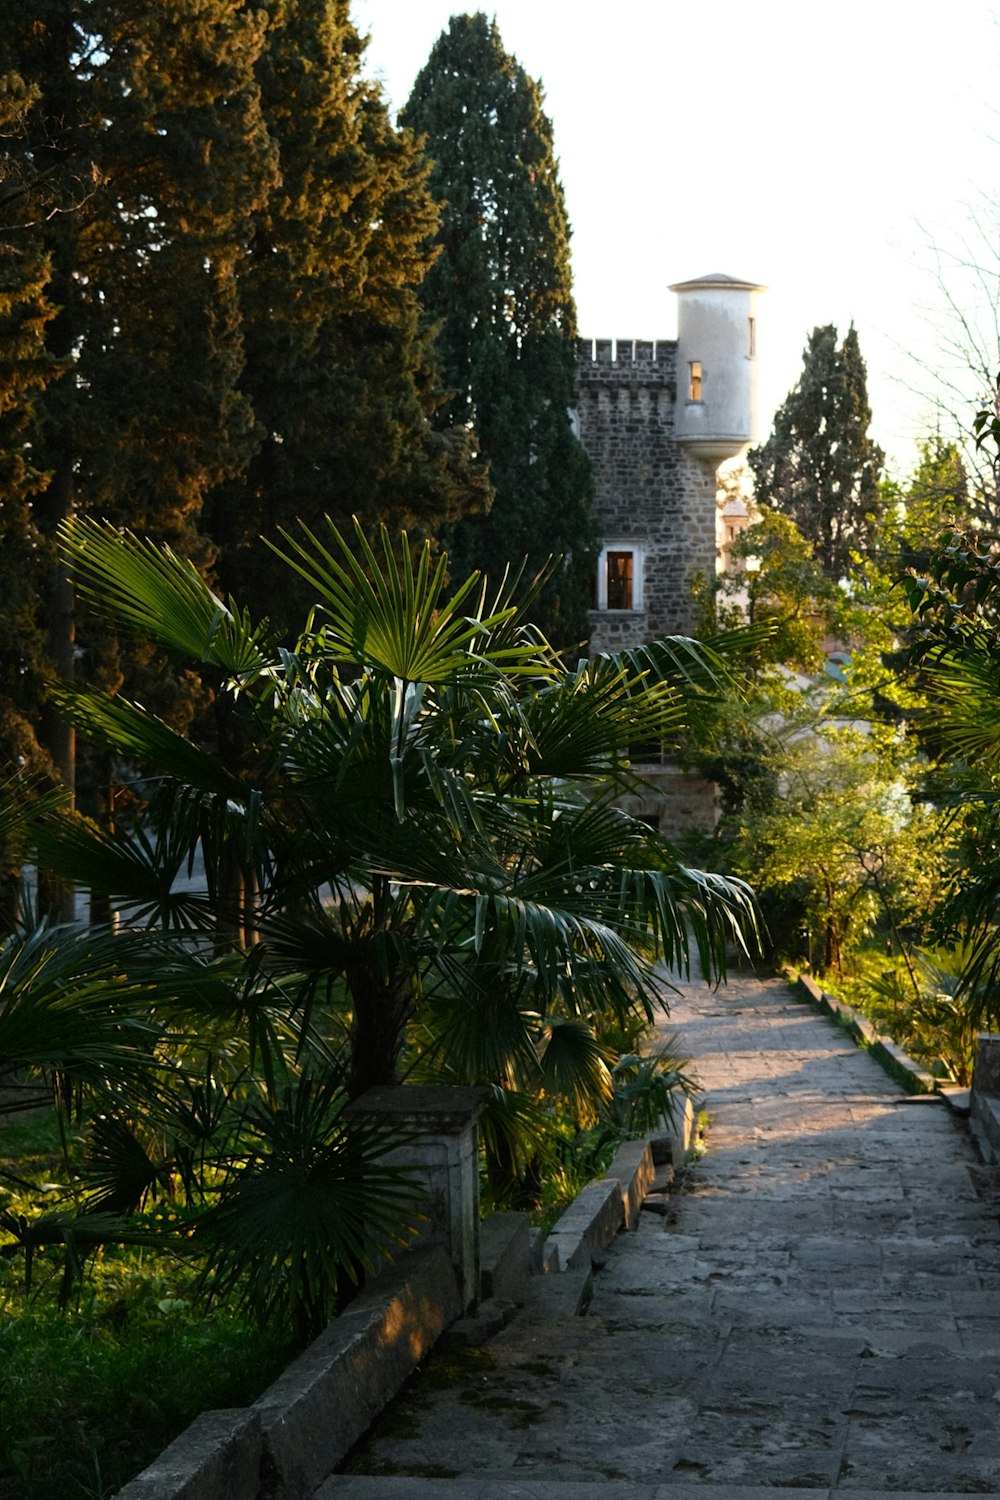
627, 359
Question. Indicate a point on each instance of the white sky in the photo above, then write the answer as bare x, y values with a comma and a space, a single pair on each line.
824, 150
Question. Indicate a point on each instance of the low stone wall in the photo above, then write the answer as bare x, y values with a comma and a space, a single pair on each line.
302, 1427
914, 1078
984, 1106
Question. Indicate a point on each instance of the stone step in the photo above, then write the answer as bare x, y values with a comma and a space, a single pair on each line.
400, 1487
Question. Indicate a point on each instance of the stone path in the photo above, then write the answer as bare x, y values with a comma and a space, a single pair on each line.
820, 1314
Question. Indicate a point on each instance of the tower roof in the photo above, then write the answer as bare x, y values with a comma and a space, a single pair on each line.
716, 280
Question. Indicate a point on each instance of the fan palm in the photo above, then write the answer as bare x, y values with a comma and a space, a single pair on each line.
414, 861
415, 802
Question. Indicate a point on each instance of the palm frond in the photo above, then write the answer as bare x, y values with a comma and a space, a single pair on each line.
574, 1065
146, 740
385, 613
149, 589
310, 1205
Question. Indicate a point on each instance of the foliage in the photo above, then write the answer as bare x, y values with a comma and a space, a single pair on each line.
821, 801
919, 1005
90, 1394
937, 497
955, 659
819, 466
209, 297
413, 854
501, 292
776, 580
845, 836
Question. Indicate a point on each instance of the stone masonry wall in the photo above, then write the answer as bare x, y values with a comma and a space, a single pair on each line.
647, 491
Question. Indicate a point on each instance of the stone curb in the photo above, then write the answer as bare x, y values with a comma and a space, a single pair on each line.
304, 1424
897, 1063
602, 1209
633, 1169
217, 1458
591, 1222
504, 1256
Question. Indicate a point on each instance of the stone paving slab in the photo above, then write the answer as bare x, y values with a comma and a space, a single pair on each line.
408, 1488
818, 1314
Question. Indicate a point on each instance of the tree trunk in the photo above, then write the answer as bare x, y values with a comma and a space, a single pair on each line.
379, 1017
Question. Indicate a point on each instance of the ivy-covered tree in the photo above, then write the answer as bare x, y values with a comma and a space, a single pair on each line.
819, 465
501, 291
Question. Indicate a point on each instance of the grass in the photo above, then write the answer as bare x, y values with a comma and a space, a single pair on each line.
91, 1394
918, 1009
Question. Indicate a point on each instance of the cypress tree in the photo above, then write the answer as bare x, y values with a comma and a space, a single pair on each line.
187, 159
819, 465
25, 371
339, 370
48, 181
501, 291
133, 153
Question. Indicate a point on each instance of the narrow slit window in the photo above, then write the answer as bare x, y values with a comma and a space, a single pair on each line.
752, 337
621, 580
694, 384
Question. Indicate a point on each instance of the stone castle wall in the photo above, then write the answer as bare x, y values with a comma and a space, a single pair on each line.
648, 492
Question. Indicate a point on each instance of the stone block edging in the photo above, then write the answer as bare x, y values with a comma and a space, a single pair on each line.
602, 1209
304, 1424
897, 1063
984, 1101
294, 1436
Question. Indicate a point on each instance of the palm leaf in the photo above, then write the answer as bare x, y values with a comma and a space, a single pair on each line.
149, 589
145, 739
310, 1205
574, 1064
388, 615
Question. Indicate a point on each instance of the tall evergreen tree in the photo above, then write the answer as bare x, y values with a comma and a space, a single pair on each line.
502, 293
339, 370
25, 371
210, 243
819, 465
133, 156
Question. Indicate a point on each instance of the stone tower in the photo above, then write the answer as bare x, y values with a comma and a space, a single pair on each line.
657, 419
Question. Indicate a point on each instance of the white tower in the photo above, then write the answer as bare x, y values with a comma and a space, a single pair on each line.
716, 366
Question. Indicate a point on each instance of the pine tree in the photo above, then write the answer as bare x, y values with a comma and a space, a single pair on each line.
819, 465
501, 291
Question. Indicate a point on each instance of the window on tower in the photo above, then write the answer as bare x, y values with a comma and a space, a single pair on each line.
752, 338
694, 382
619, 578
